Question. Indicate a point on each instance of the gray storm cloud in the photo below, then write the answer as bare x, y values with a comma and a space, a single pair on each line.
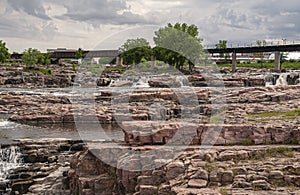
234, 20
31, 7
99, 12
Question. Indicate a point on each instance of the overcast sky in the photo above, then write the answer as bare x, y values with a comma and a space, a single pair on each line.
106, 24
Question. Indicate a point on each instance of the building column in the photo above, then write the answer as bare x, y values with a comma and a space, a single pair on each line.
277, 61
233, 62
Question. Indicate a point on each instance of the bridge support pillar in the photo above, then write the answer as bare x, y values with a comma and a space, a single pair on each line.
119, 61
153, 61
233, 62
277, 61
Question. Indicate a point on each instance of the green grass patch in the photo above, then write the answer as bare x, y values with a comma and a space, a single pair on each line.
211, 166
216, 118
283, 115
246, 142
224, 191
280, 152
48, 72
121, 69
99, 69
269, 65
288, 64
95, 70
167, 70
128, 72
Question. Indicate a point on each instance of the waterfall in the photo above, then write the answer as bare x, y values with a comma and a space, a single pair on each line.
142, 82
282, 80
293, 78
9, 160
182, 80
271, 79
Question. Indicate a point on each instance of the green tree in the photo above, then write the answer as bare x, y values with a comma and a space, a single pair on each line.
134, 43
178, 45
4, 54
32, 57
223, 45
44, 58
79, 54
134, 51
261, 43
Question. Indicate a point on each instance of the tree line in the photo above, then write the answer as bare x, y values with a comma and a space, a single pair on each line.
30, 56
177, 45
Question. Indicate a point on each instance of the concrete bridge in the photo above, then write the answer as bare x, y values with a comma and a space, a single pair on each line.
88, 54
234, 50
256, 49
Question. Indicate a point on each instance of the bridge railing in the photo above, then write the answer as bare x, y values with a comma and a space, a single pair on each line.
254, 44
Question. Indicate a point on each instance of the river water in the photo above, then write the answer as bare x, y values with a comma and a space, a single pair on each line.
10, 131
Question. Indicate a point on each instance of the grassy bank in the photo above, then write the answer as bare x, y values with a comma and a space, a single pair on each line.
269, 65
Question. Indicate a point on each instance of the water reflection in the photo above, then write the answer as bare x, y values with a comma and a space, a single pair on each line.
10, 131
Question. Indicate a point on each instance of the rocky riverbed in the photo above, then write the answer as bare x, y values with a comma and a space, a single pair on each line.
42, 167
181, 136
198, 170
262, 106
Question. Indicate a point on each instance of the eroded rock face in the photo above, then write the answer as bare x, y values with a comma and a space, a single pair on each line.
164, 105
157, 120
165, 83
122, 84
45, 166
158, 105
89, 175
259, 172
103, 82
22, 76
157, 133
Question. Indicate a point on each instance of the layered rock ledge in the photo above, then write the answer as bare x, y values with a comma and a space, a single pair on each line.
197, 170
238, 105
44, 167
183, 133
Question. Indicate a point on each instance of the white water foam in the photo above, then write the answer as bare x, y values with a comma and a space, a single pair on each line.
9, 160
4, 123
282, 80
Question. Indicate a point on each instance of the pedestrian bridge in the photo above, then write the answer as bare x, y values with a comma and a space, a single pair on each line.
257, 49
87, 54
233, 50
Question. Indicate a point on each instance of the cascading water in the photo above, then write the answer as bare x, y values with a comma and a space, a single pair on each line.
271, 79
10, 158
142, 83
182, 80
283, 79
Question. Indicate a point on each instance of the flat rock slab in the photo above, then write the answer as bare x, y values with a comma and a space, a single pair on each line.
185, 133
197, 183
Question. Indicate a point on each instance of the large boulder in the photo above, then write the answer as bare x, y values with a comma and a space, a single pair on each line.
165, 83
103, 82
122, 84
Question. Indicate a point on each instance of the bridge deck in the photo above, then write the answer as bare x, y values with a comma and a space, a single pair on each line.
256, 49
88, 54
